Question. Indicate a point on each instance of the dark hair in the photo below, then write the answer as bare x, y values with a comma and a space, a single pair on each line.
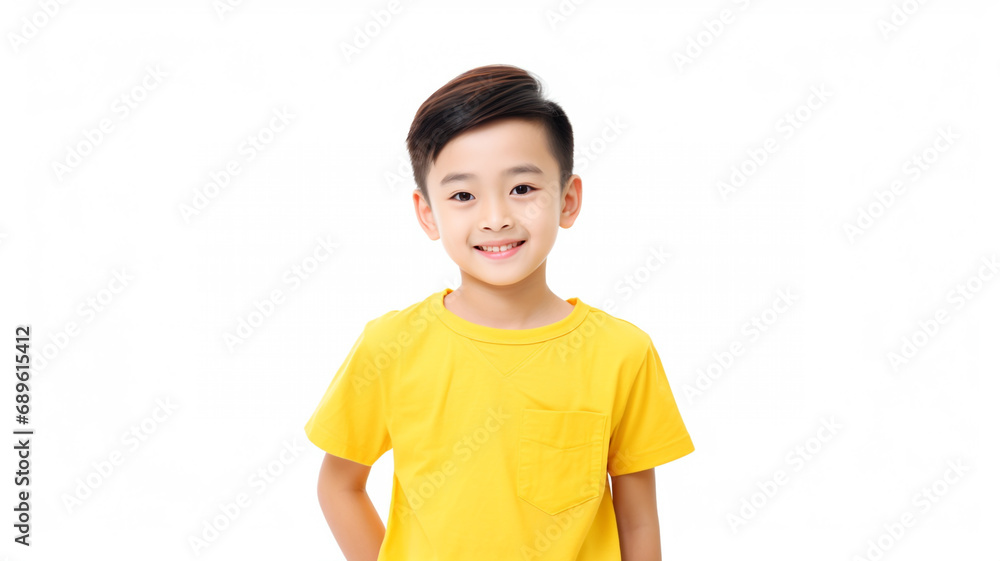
483, 94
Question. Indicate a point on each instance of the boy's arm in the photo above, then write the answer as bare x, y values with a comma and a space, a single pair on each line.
348, 510
634, 498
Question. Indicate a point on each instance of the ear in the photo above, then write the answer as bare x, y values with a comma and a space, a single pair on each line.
572, 200
425, 216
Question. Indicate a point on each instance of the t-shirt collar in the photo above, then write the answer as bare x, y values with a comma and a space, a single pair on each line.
515, 336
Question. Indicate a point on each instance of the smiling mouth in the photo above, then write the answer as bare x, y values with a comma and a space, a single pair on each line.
499, 249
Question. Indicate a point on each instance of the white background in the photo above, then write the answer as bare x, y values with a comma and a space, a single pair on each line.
339, 171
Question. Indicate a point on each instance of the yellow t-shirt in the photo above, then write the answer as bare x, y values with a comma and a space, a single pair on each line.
503, 440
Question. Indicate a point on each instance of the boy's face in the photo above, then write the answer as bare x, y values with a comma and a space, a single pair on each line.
476, 199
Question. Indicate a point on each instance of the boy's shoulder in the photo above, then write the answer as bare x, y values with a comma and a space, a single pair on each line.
399, 322
616, 330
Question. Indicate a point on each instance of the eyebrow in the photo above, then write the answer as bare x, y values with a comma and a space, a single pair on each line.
509, 172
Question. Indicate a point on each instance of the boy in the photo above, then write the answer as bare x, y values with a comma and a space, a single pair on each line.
506, 407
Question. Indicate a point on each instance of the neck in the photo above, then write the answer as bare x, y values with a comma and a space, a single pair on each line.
525, 304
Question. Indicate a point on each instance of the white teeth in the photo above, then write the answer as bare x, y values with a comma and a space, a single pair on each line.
498, 249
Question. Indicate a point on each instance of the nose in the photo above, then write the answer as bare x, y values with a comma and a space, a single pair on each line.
495, 215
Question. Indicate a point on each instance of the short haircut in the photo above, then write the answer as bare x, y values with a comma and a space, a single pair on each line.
483, 94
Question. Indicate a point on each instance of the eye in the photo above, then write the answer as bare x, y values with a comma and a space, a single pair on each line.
529, 187
461, 193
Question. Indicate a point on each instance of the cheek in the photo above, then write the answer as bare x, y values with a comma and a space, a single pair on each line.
453, 234
544, 232
539, 212
546, 202
446, 226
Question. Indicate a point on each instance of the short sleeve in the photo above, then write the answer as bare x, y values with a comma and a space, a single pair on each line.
350, 420
650, 431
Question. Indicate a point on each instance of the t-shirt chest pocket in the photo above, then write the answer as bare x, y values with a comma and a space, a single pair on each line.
560, 458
